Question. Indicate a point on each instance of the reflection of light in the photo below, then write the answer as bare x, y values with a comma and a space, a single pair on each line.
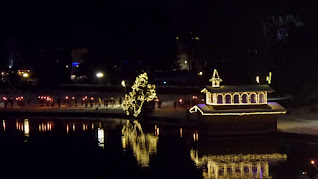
26, 128
180, 132
156, 131
73, 126
143, 145
67, 129
92, 126
236, 165
100, 137
195, 136
4, 125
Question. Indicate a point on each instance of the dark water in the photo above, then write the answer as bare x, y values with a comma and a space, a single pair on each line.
115, 148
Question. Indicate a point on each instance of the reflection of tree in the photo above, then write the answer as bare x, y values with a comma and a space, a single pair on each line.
236, 166
143, 145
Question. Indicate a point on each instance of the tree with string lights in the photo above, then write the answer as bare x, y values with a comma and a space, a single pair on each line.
142, 94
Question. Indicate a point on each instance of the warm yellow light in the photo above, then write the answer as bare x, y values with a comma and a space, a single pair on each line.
197, 38
200, 73
216, 80
143, 145
66, 66
142, 92
177, 38
99, 75
25, 75
26, 128
123, 83
257, 79
312, 162
269, 78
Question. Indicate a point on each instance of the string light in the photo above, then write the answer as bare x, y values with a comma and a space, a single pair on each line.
196, 108
269, 78
216, 166
216, 80
142, 92
143, 145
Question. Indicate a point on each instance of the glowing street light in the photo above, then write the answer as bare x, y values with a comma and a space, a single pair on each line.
257, 79
99, 75
200, 73
25, 75
312, 162
123, 83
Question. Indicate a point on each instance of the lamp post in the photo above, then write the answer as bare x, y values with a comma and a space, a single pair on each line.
99, 75
123, 83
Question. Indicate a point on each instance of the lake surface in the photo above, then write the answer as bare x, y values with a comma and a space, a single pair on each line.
118, 148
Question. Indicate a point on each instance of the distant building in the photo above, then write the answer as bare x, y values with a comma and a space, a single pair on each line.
188, 51
78, 57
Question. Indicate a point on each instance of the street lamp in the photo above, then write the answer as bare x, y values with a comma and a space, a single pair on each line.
200, 73
99, 75
25, 75
123, 83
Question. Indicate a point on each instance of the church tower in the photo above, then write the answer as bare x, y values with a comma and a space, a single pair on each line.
216, 80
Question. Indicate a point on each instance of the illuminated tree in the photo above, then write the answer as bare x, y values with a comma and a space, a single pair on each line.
142, 92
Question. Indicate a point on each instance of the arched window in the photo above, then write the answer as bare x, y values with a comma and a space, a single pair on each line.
220, 99
253, 98
228, 99
236, 98
261, 98
244, 98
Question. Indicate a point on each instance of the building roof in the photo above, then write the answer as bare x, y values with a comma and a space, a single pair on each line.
272, 108
239, 88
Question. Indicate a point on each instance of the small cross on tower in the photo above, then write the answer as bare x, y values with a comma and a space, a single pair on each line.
216, 80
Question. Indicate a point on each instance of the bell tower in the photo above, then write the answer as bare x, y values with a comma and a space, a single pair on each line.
216, 80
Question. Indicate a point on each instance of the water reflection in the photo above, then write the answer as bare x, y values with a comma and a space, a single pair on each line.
236, 166
100, 137
4, 125
143, 145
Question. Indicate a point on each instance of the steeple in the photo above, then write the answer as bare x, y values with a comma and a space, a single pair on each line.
216, 80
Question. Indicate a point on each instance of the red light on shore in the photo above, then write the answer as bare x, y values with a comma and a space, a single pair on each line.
66, 97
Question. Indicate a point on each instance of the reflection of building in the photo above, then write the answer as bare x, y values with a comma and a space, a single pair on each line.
143, 145
236, 166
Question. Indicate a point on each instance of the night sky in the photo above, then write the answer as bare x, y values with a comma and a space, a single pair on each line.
233, 35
